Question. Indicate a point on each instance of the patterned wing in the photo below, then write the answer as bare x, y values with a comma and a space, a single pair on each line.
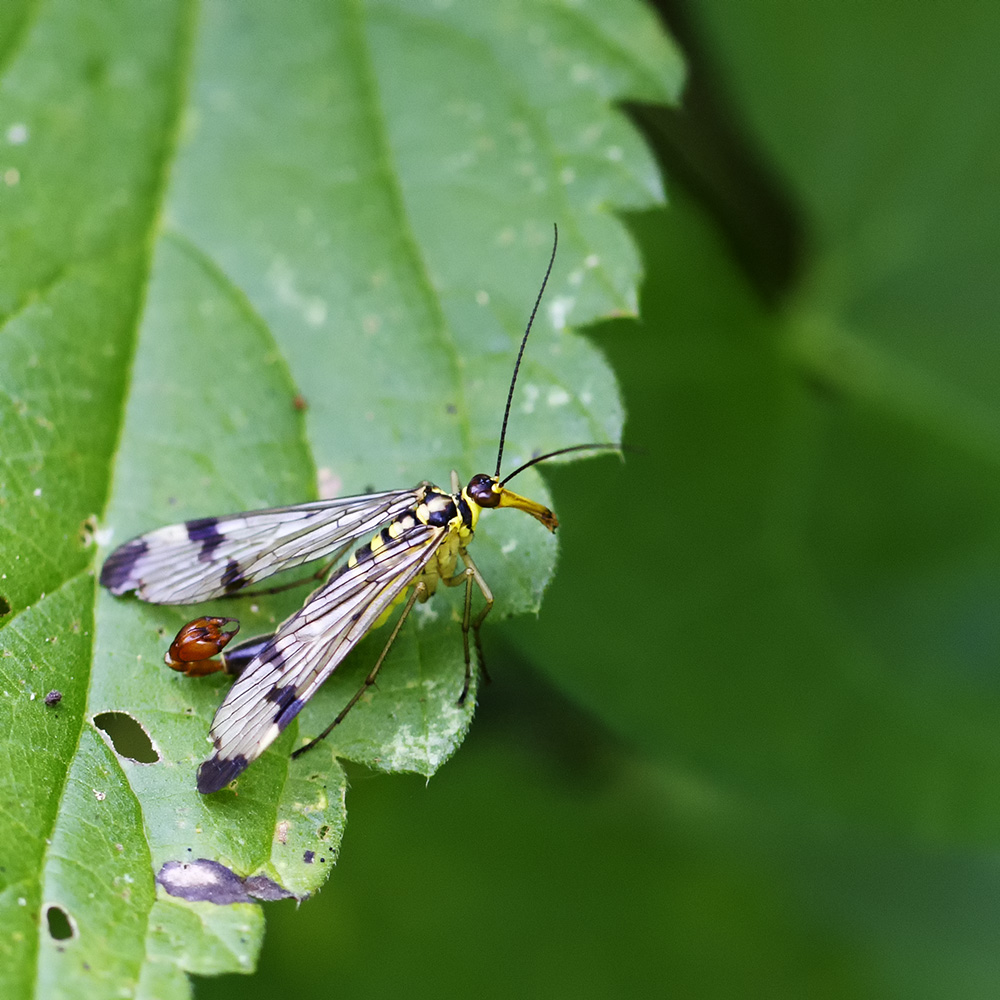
213, 556
308, 648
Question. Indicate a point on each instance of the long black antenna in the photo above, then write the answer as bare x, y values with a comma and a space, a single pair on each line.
561, 451
520, 353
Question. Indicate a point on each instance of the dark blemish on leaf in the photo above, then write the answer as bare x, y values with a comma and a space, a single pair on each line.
451, 409
211, 882
202, 881
4, 606
61, 928
262, 887
53, 698
127, 737
308, 857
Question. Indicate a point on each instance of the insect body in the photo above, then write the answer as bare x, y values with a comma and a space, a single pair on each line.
417, 538
191, 651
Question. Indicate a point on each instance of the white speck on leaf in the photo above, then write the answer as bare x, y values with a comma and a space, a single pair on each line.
17, 134
558, 396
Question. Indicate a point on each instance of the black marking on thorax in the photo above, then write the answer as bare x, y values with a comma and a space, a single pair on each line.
440, 508
465, 510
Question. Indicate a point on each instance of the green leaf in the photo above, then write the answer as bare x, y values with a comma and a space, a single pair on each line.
207, 213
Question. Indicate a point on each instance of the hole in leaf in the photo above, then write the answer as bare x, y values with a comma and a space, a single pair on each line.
88, 529
127, 737
60, 928
4, 606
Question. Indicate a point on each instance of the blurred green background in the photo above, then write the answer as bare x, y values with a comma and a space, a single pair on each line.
772, 769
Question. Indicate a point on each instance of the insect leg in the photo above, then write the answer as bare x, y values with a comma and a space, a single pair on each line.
470, 574
419, 590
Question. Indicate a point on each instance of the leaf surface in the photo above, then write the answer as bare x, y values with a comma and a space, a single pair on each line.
248, 255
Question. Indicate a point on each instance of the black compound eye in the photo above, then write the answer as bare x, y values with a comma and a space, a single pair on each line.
480, 489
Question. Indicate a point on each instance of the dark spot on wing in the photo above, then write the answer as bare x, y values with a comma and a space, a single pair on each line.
288, 705
217, 772
273, 657
233, 578
282, 696
206, 531
116, 573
